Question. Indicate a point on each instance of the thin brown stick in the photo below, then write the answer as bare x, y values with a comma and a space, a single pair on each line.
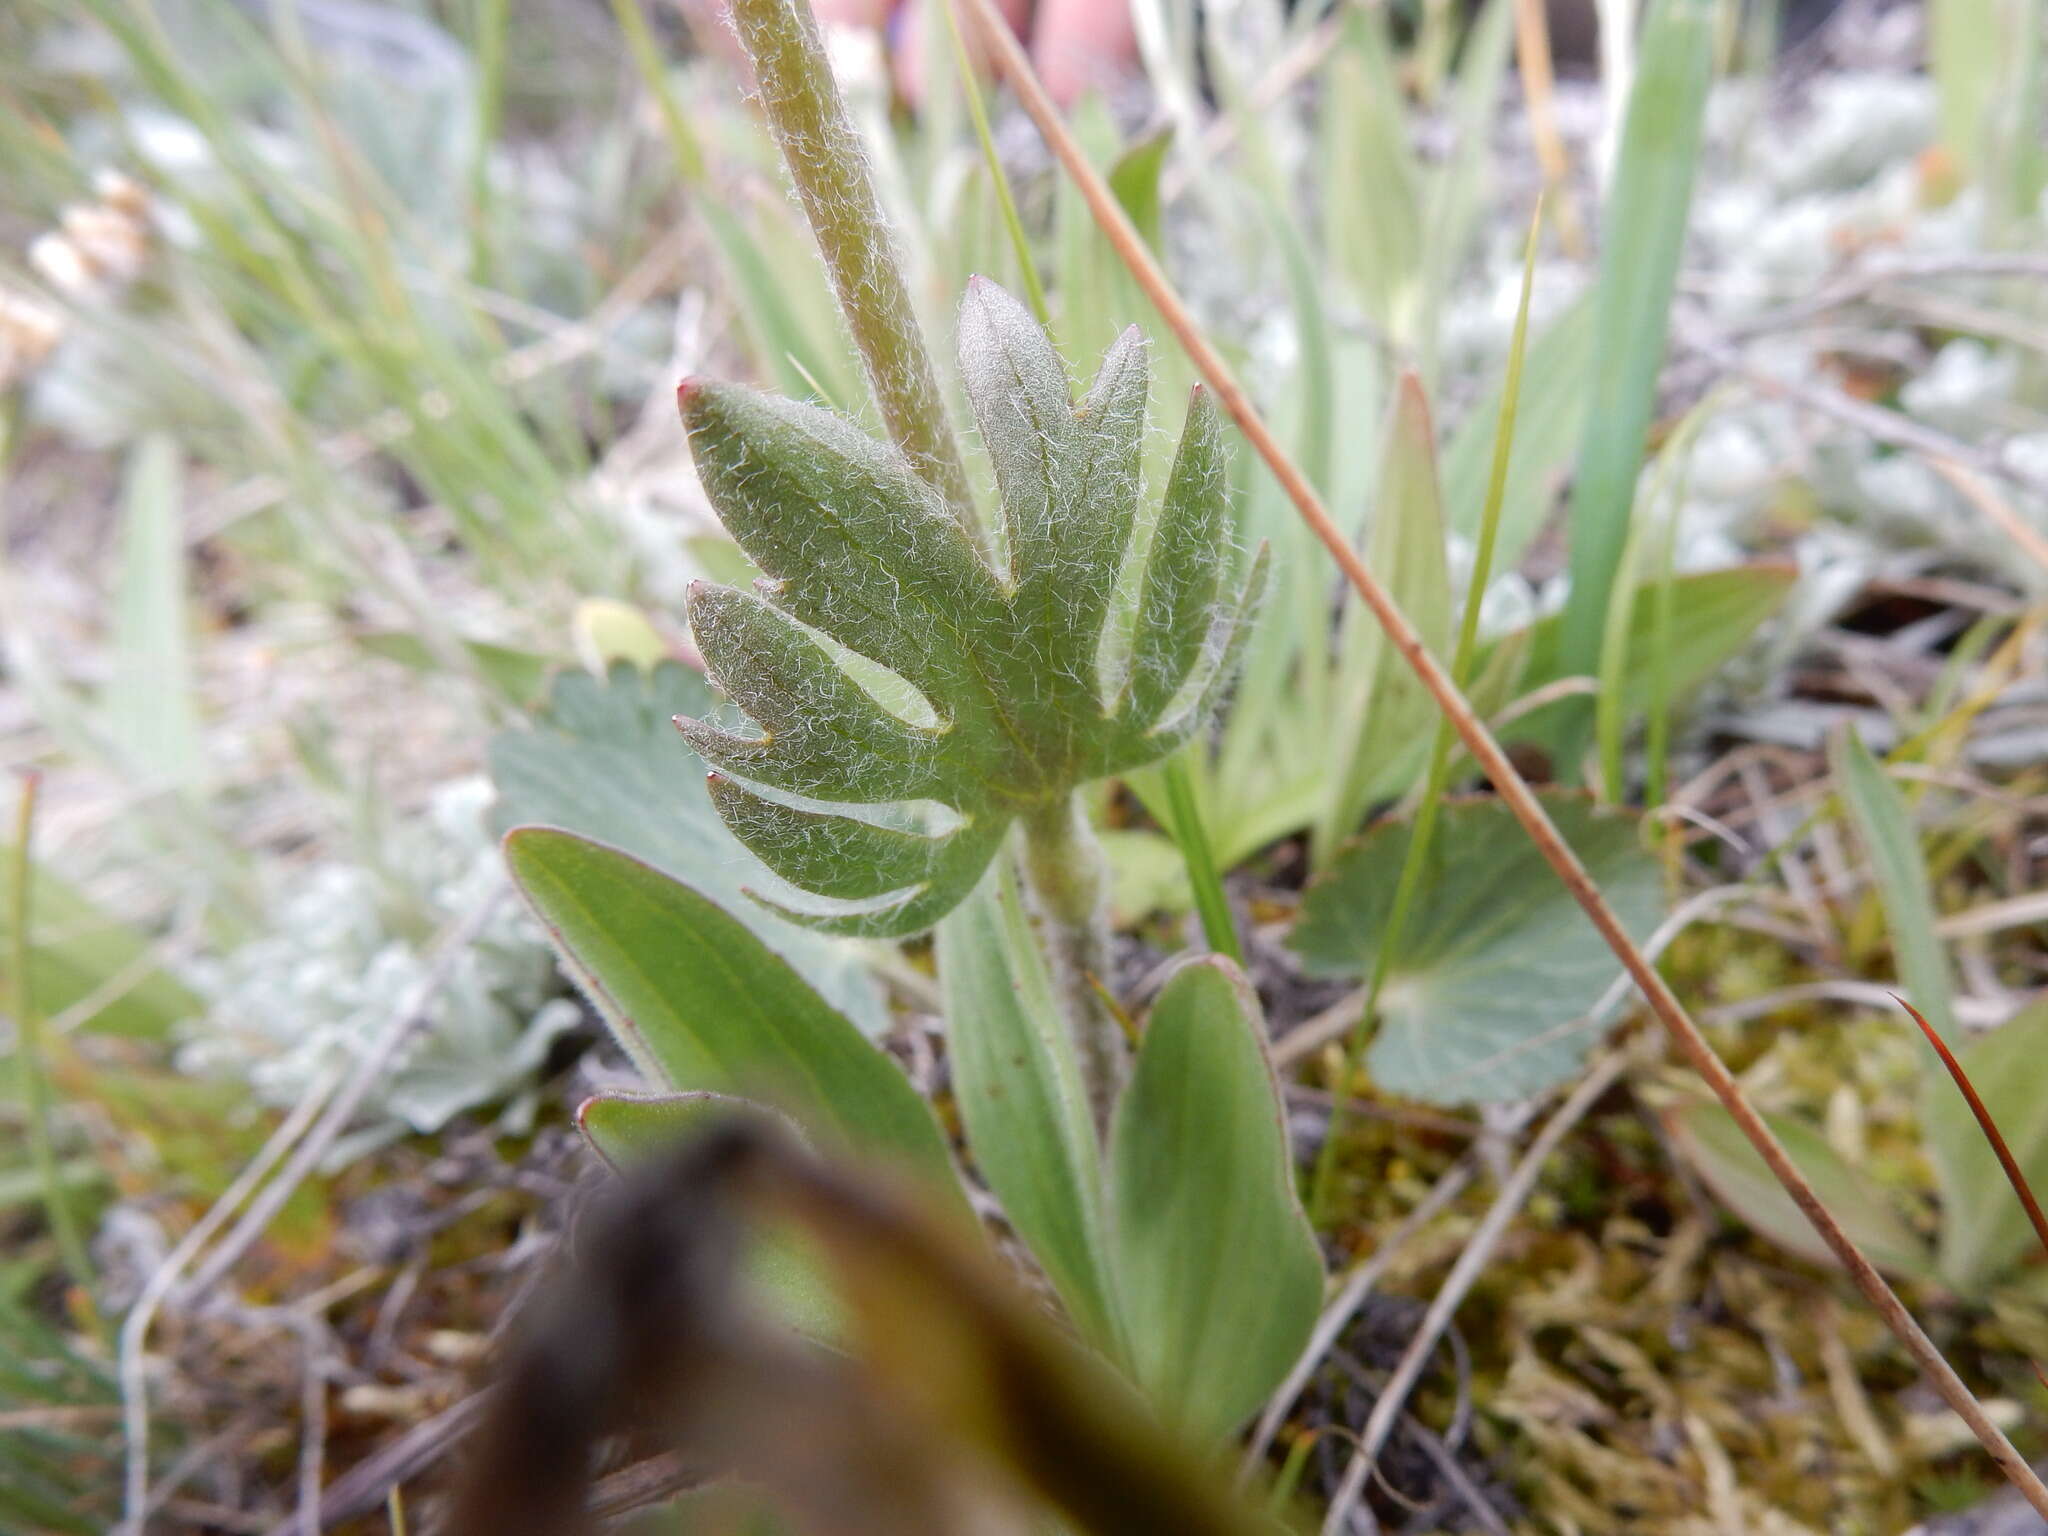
1513, 789
1985, 1123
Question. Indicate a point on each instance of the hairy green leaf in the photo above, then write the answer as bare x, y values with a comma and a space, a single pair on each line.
1008, 662
700, 1003
602, 759
1496, 967
1218, 1276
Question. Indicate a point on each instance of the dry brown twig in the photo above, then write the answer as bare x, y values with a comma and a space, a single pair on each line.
1011, 63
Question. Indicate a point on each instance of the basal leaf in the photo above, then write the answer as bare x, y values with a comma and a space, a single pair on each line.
1217, 1272
1497, 966
1007, 661
1884, 825
602, 759
1020, 1092
702, 1004
1985, 1233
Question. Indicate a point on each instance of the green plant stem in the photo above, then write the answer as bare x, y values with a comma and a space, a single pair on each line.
30, 1046
1069, 887
823, 152
1212, 902
491, 18
682, 140
1440, 749
1013, 224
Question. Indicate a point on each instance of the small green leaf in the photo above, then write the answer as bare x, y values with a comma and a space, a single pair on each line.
1884, 825
701, 1003
603, 759
1020, 1092
1496, 965
1737, 1174
1008, 663
1985, 1232
1217, 1272
151, 711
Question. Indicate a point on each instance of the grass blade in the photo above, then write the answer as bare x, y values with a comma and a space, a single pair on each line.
149, 710
1645, 234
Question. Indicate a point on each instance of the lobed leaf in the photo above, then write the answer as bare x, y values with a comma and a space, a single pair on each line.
858, 549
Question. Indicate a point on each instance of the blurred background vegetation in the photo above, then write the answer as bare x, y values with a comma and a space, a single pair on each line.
345, 521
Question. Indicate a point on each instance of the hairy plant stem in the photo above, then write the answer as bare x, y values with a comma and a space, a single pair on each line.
822, 150
1069, 886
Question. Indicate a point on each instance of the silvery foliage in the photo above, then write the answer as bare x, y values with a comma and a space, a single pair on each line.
1773, 223
1023, 699
311, 994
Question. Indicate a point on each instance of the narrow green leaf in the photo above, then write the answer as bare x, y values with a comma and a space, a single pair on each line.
1645, 223
1549, 421
702, 1004
151, 710
1985, 1233
1384, 727
1217, 1273
1884, 826
1732, 1168
1375, 203
521, 676
1020, 1092
1702, 620
76, 950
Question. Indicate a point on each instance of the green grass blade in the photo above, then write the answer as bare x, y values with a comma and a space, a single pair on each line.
1645, 224
149, 711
